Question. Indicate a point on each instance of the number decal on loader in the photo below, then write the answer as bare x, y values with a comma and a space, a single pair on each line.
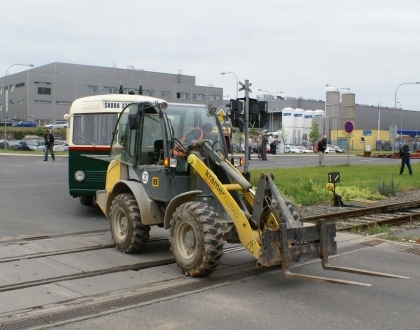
145, 177
155, 182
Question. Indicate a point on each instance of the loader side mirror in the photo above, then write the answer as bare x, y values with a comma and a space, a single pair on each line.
133, 122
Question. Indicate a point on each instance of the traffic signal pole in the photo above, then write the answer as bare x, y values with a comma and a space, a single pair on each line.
247, 89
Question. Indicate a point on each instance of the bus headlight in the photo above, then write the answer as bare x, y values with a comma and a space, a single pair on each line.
79, 176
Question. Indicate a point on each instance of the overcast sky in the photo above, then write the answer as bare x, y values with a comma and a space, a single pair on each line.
295, 47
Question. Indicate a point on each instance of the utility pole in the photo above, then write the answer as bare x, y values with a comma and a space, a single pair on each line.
247, 90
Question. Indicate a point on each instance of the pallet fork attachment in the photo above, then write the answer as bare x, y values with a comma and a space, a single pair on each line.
286, 246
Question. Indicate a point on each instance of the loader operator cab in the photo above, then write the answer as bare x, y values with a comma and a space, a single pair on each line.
147, 134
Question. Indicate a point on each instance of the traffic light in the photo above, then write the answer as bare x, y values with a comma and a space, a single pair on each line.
121, 90
140, 90
236, 105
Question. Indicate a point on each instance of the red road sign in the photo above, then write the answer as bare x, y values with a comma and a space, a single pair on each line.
348, 127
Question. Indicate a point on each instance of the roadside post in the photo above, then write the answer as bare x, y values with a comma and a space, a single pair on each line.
348, 128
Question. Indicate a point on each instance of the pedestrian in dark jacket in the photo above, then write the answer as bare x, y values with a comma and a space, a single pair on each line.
49, 145
405, 157
264, 141
322, 146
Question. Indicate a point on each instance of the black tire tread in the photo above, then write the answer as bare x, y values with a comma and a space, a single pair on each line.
139, 233
212, 237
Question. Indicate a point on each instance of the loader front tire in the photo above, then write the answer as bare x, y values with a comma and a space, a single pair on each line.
196, 239
127, 231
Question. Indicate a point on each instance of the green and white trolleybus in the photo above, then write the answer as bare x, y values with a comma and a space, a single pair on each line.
92, 122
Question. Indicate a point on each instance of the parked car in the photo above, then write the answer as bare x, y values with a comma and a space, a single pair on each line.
57, 124
237, 148
25, 123
21, 145
291, 149
7, 122
329, 150
337, 149
32, 144
304, 149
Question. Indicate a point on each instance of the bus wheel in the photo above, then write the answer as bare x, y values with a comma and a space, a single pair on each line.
196, 239
127, 231
86, 200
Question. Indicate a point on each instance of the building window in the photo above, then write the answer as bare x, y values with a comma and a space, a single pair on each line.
42, 83
183, 96
1, 107
42, 101
1, 90
214, 98
198, 97
92, 89
63, 102
20, 85
44, 90
110, 90
148, 93
165, 95
12, 88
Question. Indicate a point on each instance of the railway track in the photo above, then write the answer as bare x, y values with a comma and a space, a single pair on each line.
392, 214
135, 266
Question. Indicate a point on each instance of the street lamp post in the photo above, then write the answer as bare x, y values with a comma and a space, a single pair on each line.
271, 110
6, 99
336, 118
395, 104
223, 73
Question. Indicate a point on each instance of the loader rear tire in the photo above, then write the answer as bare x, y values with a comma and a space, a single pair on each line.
127, 231
196, 239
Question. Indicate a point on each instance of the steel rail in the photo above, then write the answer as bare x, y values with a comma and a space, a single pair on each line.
364, 211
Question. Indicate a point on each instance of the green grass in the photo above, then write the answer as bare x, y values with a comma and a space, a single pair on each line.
306, 185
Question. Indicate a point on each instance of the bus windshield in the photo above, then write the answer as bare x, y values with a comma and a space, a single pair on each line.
93, 128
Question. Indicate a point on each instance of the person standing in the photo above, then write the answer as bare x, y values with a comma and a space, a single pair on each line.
249, 148
272, 143
405, 158
259, 145
49, 145
264, 141
322, 146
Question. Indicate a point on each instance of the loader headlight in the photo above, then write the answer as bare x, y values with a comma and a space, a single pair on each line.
237, 162
79, 176
173, 162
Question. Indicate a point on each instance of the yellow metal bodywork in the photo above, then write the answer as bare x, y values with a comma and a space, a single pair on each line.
249, 238
113, 175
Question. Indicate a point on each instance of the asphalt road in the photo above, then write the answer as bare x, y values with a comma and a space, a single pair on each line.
34, 199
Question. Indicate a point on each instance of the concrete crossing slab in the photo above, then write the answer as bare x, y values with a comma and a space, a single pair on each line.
69, 243
109, 258
26, 270
14, 250
124, 280
13, 301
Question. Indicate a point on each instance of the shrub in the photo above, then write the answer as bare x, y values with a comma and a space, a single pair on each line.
386, 190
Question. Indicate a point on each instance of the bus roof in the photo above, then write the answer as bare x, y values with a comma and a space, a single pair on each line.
108, 102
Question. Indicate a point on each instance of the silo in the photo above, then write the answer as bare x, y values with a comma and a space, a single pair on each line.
323, 125
348, 103
299, 125
309, 114
288, 120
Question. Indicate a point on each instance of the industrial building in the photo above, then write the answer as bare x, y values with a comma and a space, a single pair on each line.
45, 93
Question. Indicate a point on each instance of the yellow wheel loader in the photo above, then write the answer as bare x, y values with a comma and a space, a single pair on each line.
170, 168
